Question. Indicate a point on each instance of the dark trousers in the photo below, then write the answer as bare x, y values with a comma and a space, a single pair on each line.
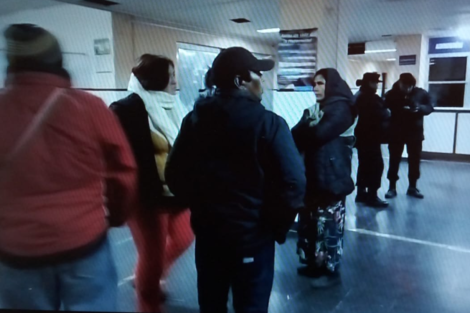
414, 159
249, 275
371, 167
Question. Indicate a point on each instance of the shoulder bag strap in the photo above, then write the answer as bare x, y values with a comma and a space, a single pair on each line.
30, 134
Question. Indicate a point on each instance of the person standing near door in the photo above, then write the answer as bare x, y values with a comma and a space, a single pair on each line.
408, 105
370, 131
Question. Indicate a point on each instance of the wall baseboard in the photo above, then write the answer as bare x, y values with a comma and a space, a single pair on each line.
445, 157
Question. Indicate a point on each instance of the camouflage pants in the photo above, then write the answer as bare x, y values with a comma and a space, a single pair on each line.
321, 230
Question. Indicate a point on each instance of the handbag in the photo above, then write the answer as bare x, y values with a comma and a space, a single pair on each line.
43, 115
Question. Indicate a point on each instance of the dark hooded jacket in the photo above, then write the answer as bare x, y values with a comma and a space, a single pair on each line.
237, 166
406, 125
374, 118
327, 155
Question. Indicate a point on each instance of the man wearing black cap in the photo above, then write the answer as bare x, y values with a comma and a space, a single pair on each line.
54, 248
408, 104
370, 129
238, 167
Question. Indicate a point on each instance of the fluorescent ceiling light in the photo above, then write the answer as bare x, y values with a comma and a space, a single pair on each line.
390, 60
269, 30
380, 51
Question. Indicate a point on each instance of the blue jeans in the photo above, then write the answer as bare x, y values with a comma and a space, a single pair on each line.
87, 284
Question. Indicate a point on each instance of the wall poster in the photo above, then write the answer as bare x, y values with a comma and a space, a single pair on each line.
297, 58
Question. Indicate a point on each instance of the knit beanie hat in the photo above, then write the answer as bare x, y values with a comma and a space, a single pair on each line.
30, 47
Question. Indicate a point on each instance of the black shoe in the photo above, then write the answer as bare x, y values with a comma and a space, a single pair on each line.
361, 196
392, 193
326, 281
310, 271
414, 192
376, 202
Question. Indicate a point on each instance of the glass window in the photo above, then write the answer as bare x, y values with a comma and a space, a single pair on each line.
193, 64
447, 69
448, 80
448, 95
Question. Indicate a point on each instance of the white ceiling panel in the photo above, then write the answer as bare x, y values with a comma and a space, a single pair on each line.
363, 20
12, 6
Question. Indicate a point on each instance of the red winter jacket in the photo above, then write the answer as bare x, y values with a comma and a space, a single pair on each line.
78, 171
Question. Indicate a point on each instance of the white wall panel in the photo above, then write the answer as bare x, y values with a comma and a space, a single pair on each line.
439, 129
76, 28
463, 134
291, 105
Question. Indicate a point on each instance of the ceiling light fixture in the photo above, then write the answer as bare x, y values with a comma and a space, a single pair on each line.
380, 51
240, 20
391, 60
269, 30
102, 2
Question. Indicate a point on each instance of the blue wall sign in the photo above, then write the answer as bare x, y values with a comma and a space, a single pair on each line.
407, 59
448, 45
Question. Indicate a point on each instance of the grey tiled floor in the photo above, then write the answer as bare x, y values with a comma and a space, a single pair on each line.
413, 257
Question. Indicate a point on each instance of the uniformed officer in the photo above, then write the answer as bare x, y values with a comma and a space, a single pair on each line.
370, 131
409, 105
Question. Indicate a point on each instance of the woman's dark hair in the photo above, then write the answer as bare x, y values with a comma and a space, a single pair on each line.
323, 72
208, 80
153, 71
335, 85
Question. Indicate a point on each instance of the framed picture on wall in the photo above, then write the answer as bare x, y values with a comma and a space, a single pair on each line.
102, 46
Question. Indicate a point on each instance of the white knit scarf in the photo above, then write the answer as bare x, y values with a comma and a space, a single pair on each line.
316, 114
165, 111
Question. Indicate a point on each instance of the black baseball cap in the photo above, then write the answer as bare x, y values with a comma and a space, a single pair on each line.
408, 79
235, 61
369, 78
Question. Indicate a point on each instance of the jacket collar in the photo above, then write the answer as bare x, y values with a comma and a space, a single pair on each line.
236, 93
37, 78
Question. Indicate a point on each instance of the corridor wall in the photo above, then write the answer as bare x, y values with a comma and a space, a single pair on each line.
77, 28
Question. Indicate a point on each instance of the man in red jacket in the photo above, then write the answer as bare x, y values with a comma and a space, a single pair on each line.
63, 189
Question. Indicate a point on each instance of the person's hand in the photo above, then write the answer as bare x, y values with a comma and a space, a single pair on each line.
306, 115
414, 107
313, 122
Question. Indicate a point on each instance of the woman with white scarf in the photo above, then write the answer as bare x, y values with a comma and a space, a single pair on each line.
151, 117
